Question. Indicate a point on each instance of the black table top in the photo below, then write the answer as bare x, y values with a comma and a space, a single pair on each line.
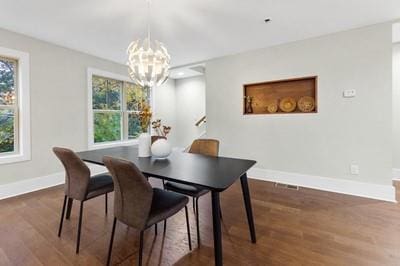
214, 173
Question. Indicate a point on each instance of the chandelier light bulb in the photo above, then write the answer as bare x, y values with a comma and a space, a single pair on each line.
148, 62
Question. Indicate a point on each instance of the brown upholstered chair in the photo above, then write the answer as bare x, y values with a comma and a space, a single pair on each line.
137, 204
79, 185
208, 147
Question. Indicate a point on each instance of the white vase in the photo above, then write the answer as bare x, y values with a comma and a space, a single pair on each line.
144, 145
161, 149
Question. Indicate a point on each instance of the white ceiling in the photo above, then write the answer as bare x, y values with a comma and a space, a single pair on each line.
192, 30
187, 71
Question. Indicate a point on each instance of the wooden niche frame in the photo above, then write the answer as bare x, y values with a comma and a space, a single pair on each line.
268, 93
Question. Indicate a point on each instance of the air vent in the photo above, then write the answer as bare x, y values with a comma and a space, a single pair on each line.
280, 185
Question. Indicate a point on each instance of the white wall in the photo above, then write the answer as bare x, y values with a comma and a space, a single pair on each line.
59, 103
165, 108
344, 131
396, 106
190, 107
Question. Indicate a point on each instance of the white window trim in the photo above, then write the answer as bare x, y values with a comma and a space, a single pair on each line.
23, 89
97, 72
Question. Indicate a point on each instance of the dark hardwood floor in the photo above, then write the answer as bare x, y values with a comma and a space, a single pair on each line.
305, 227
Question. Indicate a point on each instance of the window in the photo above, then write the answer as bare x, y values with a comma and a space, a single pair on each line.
14, 106
8, 106
115, 103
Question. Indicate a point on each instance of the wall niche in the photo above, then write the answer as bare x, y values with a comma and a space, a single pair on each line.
289, 96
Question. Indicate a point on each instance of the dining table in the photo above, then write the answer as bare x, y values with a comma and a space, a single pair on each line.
214, 173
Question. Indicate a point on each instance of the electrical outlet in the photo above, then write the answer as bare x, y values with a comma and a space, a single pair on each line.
349, 93
354, 169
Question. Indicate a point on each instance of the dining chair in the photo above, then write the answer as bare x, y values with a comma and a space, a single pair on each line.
208, 147
80, 186
139, 205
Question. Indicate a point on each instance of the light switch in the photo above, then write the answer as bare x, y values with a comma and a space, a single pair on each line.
354, 169
349, 93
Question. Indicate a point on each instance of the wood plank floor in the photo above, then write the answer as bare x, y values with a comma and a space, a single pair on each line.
305, 227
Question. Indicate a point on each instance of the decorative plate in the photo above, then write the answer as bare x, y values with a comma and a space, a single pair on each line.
306, 104
287, 104
272, 107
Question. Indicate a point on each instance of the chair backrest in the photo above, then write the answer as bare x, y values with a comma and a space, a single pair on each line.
77, 174
133, 194
209, 147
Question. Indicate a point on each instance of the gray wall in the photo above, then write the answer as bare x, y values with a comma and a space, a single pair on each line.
396, 106
59, 102
165, 108
190, 100
344, 131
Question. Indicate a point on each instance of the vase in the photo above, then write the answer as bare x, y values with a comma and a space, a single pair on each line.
249, 107
144, 145
160, 149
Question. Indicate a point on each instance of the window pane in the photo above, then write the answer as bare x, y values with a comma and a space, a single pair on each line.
135, 95
7, 81
6, 131
107, 127
106, 93
134, 128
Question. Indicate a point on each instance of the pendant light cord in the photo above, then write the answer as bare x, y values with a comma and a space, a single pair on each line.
148, 19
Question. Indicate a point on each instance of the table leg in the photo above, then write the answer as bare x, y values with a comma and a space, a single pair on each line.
216, 228
247, 204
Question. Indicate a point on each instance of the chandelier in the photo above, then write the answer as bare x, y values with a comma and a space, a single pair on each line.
148, 60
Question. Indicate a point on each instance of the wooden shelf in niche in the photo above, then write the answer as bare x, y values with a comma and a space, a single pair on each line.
266, 93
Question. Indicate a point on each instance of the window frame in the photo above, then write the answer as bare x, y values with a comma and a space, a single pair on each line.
22, 130
124, 113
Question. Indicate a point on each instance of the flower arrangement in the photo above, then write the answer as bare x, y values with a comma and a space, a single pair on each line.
156, 125
145, 116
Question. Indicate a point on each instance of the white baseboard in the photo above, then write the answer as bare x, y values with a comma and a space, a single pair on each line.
367, 190
396, 173
374, 191
38, 183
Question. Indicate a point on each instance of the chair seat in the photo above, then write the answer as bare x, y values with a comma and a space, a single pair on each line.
165, 204
99, 185
193, 191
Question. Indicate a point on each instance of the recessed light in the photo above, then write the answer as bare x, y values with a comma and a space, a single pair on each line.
267, 20
180, 74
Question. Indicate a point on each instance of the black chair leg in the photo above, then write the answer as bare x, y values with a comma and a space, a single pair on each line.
111, 242
155, 229
106, 202
69, 208
78, 240
165, 226
197, 222
220, 214
188, 228
62, 216
140, 248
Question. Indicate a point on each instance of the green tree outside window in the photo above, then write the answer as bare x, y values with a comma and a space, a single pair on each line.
7, 104
116, 105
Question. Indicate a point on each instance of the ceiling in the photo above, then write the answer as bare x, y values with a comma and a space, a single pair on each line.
192, 30
187, 71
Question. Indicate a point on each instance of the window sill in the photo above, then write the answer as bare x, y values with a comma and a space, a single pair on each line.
113, 144
14, 158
